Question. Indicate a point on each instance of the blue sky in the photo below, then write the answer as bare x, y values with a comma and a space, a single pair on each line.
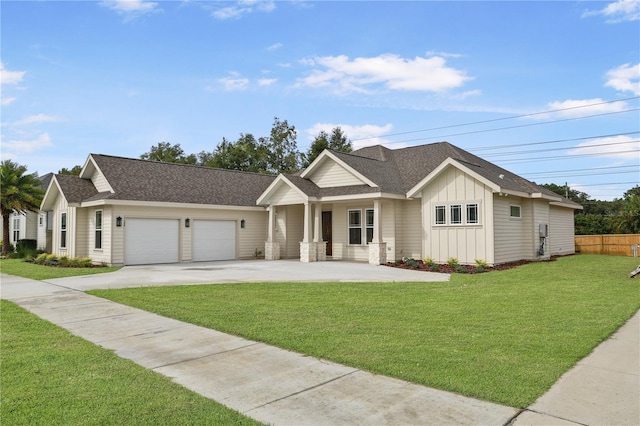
548, 90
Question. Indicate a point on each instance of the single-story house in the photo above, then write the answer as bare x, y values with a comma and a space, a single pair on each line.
29, 225
374, 204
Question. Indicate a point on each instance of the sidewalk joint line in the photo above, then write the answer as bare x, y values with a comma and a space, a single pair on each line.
207, 355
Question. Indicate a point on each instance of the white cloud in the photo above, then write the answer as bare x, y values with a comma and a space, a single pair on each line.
611, 147
8, 101
393, 72
28, 146
131, 9
275, 46
582, 107
625, 78
234, 82
364, 135
267, 81
244, 7
619, 11
38, 118
10, 77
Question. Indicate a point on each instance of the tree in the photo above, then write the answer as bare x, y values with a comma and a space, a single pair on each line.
337, 142
75, 171
282, 149
168, 153
20, 192
246, 154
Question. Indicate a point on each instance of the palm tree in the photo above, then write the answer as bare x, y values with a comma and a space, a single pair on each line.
19, 192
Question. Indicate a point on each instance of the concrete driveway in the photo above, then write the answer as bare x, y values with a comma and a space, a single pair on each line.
239, 271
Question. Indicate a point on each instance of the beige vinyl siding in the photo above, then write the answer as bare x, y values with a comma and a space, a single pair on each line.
102, 255
100, 182
408, 230
31, 226
389, 231
42, 231
513, 237
248, 239
540, 216
285, 195
466, 242
561, 231
82, 233
331, 174
61, 206
289, 230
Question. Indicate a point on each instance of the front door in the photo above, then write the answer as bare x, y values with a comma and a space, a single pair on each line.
326, 230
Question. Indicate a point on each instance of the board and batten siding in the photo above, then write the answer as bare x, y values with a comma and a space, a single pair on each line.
561, 231
331, 174
466, 242
513, 237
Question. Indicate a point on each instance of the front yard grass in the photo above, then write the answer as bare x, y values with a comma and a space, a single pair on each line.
50, 377
501, 336
20, 268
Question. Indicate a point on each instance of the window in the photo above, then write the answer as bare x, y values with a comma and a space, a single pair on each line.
369, 223
41, 220
472, 214
514, 211
456, 214
63, 230
441, 215
16, 229
355, 227
98, 242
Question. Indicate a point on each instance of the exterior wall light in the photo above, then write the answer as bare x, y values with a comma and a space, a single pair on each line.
119, 221
187, 222
242, 223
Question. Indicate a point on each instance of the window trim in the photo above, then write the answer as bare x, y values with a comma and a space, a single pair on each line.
436, 218
15, 235
367, 225
97, 243
357, 226
453, 208
63, 230
477, 214
511, 215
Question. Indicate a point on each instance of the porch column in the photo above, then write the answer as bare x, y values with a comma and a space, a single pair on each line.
271, 247
307, 247
321, 246
377, 248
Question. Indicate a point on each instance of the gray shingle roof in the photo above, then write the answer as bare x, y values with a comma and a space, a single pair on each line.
142, 180
76, 189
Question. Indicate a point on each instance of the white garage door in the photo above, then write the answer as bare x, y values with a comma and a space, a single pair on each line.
214, 240
148, 241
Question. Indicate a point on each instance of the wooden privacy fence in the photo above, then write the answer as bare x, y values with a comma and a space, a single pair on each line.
615, 245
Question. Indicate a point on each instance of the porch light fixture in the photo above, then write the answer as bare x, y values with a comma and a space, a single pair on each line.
119, 221
187, 222
242, 223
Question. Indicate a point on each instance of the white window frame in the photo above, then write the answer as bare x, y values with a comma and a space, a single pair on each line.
369, 226
443, 209
97, 243
63, 230
16, 229
355, 226
511, 211
467, 215
455, 211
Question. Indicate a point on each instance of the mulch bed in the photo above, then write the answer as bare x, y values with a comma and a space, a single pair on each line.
464, 269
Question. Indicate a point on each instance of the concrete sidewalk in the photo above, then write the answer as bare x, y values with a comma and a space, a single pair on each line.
281, 387
271, 385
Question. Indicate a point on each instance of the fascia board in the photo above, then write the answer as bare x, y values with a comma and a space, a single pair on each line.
567, 205
449, 162
52, 190
156, 204
325, 156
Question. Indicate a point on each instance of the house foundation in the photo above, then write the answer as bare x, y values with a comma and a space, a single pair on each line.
377, 253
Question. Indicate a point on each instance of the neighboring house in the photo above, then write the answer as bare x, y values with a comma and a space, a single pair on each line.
30, 225
374, 204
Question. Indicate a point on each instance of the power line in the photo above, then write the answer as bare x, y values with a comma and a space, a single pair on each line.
609, 183
582, 170
489, 148
551, 176
501, 154
495, 120
559, 157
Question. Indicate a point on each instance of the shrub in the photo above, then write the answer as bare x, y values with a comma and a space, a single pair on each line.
480, 263
11, 247
453, 262
428, 261
435, 267
461, 269
410, 262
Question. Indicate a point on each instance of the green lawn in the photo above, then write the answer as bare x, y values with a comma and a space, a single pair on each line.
20, 268
50, 377
500, 336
